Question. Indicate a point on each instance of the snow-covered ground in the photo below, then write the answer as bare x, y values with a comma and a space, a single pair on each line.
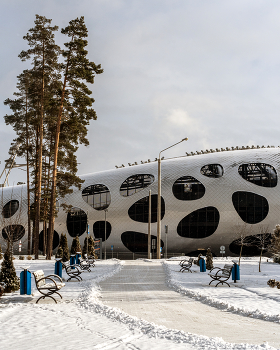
251, 296
80, 320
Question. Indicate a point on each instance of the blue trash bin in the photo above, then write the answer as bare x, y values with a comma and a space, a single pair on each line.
78, 255
202, 265
58, 268
72, 260
235, 273
25, 282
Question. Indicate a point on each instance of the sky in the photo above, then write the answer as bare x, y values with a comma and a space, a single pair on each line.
206, 70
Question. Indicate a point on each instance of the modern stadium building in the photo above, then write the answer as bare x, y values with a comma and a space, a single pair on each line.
208, 199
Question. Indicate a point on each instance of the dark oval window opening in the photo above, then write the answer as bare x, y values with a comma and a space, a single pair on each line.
13, 233
97, 196
188, 188
99, 230
212, 170
139, 211
76, 222
137, 242
135, 183
251, 207
10, 208
195, 253
259, 174
200, 223
251, 245
43, 240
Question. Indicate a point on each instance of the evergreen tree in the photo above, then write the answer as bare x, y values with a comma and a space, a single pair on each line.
75, 104
8, 273
91, 251
209, 260
0, 253
64, 245
274, 247
59, 253
76, 246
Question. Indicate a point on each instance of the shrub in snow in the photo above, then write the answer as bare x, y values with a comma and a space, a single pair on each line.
21, 257
275, 244
8, 273
2, 287
91, 251
63, 250
1, 253
272, 283
59, 253
76, 246
29, 257
209, 260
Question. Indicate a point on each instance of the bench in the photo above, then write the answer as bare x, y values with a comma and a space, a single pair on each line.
73, 271
84, 264
221, 275
186, 265
90, 259
47, 289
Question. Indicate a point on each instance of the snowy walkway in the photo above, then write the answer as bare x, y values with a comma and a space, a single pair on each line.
139, 289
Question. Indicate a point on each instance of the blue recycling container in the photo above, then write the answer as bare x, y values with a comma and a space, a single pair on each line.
235, 273
25, 282
202, 265
58, 268
72, 260
78, 255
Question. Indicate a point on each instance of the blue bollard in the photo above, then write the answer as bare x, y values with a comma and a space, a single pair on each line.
235, 274
202, 265
58, 268
72, 260
25, 282
78, 255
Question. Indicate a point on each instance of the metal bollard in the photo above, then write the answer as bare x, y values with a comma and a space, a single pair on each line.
202, 265
25, 282
58, 268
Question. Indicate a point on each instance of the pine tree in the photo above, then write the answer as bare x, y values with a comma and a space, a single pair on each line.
8, 273
274, 247
64, 245
0, 253
209, 260
76, 246
59, 253
75, 99
91, 251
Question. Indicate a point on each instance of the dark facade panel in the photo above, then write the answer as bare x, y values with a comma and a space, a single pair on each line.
139, 211
212, 170
137, 242
252, 245
259, 174
76, 222
200, 223
14, 232
10, 208
251, 207
99, 230
41, 240
135, 183
187, 188
97, 196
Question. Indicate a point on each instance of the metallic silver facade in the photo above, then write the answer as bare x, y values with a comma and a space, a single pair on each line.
218, 194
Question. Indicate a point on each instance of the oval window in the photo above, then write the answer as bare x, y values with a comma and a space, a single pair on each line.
10, 208
135, 183
251, 207
137, 242
251, 245
43, 240
259, 174
139, 211
212, 170
76, 222
187, 188
97, 196
99, 230
13, 233
200, 223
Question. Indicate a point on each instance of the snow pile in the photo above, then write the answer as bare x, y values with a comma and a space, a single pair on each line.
251, 296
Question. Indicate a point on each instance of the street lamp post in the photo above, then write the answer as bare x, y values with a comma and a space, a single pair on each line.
159, 199
106, 211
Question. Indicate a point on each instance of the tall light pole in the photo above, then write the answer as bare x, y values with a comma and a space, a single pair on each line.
106, 211
159, 198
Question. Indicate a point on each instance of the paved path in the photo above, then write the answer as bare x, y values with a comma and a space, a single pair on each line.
139, 289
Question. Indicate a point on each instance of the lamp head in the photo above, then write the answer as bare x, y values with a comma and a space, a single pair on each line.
185, 139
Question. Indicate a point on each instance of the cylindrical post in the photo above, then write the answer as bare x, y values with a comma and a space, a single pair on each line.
149, 224
159, 210
105, 233
25, 282
72, 260
58, 268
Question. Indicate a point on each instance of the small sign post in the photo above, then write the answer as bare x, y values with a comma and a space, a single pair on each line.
222, 250
112, 248
166, 232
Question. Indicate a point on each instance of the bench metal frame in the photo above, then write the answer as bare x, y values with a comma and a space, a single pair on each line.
47, 289
186, 265
221, 275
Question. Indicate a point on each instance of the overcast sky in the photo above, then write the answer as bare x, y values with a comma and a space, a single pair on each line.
208, 70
